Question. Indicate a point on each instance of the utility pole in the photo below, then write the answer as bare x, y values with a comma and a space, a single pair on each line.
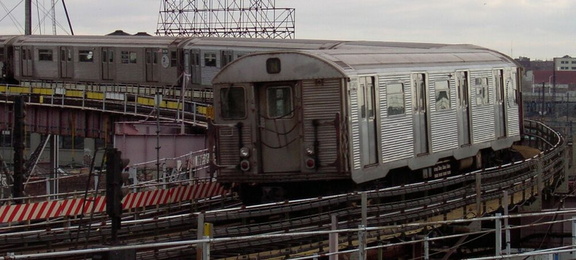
18, 136
28, 17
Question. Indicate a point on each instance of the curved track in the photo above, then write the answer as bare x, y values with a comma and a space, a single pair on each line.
455, 197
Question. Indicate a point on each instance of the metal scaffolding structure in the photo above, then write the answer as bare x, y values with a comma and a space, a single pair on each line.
225, 18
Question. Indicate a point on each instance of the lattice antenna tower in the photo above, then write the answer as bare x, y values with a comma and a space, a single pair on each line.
225, 18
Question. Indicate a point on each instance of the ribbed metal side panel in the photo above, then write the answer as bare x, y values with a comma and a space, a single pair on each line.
322, 102
397, 130
483, 126
443, 123
355, 125
228, 150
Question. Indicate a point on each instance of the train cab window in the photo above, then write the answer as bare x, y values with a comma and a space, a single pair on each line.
210, 59
45, 55
482, 94
128, 57
442, 94
85, 56
279, 102
233, 103
395, 99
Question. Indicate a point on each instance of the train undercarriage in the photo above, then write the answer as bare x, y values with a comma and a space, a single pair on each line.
255, 193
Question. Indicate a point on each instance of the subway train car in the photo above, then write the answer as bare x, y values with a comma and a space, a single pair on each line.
287, 120
99, 60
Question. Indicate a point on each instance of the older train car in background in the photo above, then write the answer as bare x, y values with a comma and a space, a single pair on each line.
98, 60
327, 118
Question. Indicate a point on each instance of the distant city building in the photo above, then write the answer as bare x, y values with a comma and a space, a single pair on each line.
565, 63
535, 64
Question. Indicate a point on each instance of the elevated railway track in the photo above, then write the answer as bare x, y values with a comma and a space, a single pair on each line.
300, 228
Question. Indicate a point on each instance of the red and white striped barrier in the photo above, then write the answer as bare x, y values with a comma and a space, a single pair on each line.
74, 207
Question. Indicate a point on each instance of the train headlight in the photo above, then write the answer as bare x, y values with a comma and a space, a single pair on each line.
245, 165
310, 151
244, 152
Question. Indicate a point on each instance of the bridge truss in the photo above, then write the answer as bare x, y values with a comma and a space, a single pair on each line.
225, 18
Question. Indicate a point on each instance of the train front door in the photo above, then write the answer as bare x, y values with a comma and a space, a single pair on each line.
279, 127
464, 136
420, 87
152, 65
500, 104
66, 62
108, 65
367, 103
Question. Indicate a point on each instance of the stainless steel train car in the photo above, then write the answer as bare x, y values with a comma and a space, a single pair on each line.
290, 118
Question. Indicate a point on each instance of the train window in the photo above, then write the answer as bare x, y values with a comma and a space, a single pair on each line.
151, 57
110, 56
442, 94
85, 56
65, 55
194, 57
226, 57
26, 55
482, 94
173, 59
279, 102
395, 99
210, 59
1, 54
45, 54
512, 91
273, 66
128, 57
233, 103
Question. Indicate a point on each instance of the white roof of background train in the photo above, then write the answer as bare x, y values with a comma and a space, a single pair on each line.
87, 40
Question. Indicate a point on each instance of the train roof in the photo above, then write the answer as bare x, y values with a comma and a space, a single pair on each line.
344, 62
259, 43
6, 39
91, 40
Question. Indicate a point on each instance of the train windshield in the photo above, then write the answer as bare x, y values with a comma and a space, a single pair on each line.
279, 102
233, 103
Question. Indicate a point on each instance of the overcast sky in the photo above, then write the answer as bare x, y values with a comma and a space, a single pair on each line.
538, 29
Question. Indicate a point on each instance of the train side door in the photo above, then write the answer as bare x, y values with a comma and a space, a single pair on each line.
195, 67
26, 61
367, 104
420, 90
66, 62
464, 137
279, 127
500, 104
108, 65
152, 69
